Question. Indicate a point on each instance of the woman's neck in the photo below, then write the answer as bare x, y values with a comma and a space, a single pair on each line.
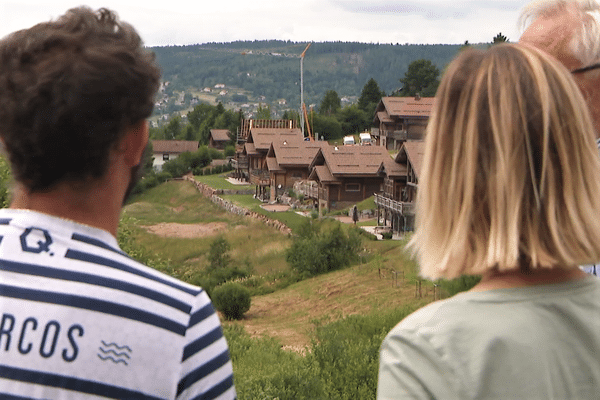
513, 279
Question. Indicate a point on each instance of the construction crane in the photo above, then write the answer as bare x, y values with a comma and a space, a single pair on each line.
305, 118
303, 107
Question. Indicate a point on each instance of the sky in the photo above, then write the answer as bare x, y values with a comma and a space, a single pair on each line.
182, 22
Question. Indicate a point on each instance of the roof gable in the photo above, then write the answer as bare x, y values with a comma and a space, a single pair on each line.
390, 108
220, 135
354, 160
263, 137
298, 154
413, 152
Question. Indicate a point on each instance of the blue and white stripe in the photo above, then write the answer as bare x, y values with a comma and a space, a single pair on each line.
178, 347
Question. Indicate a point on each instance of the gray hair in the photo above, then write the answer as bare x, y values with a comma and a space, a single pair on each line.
585, 40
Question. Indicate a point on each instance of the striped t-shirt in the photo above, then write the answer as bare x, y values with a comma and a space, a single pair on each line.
79, 319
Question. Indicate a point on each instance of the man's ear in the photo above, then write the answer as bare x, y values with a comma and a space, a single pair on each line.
134, 142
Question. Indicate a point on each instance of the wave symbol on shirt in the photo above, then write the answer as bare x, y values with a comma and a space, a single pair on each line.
114, 352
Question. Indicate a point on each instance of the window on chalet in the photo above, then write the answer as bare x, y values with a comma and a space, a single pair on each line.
297, 175
352, 187
166, 157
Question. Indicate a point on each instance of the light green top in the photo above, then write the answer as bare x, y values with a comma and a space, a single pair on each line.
540, 342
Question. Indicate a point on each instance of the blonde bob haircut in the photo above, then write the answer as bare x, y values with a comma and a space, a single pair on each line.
511, 175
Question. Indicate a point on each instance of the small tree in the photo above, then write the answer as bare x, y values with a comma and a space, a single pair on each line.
232, 299
421, 77
499, 38
263, 112
218, 255
330, 104
370, 96
315, 252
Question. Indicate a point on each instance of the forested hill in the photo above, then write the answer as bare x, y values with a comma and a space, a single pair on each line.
272, 68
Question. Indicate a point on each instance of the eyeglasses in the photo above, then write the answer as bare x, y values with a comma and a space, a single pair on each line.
586, 69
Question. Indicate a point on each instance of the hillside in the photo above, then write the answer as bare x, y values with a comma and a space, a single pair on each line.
178, 224
269, 71
314, 339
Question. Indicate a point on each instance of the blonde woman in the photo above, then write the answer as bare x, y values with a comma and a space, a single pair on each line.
510, 191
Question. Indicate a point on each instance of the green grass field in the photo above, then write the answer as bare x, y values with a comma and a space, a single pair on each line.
314, 339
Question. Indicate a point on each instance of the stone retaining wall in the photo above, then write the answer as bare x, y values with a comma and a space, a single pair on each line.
212, 194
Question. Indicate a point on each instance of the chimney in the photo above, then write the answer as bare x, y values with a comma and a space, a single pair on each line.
417, 96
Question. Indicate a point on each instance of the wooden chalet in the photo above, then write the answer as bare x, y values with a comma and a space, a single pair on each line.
346, 175
255, 150
400, 119
289, 162
165, 150
240, 161
396, 204
218, 138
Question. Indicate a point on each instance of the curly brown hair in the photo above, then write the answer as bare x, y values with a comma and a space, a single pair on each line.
68, 90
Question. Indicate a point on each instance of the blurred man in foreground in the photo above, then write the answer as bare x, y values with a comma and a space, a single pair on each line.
79, 318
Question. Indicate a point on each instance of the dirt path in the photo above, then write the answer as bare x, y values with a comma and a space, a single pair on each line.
185, 231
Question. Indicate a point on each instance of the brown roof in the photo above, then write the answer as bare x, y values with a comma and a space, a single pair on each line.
295, 154
354, 160
393, 169
174, 146
272, 165
263, 137
403, 107
383, 116
250, 149
414, 152
408, 106
220, 135
322, 174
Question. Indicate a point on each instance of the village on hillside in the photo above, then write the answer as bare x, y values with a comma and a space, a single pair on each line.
276, 156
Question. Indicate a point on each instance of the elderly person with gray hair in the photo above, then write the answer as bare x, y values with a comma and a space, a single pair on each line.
569, 30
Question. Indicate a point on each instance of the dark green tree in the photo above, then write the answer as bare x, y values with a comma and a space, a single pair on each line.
325, 126
174, 129
371, 94
263, 112
330, 104
499, 38
422, 78
200, 113
354, 120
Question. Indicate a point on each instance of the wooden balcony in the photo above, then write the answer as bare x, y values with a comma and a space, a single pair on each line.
260, 177
239, 163
399, 207
309, 189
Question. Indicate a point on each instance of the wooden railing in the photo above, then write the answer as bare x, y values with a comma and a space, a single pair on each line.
240, 163
400, 207
260, 177
309, 189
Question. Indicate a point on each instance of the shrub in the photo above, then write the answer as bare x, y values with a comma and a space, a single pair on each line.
387, 235
229, 151
315, 252
232, 299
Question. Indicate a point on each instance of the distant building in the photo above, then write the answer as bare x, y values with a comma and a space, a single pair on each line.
347, 174
399, 119
218, 138
166, 150
396, 204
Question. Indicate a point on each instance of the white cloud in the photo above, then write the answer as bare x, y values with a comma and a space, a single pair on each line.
383, 21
